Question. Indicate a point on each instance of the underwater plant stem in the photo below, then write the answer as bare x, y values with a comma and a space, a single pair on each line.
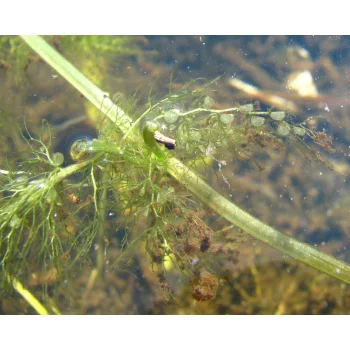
28, 296
242, 219
189, 178
255, 227
102, 213
101, 210
97, 97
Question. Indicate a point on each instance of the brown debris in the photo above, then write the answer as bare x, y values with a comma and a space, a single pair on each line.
205, 286
49, 277
265, 96
325, 141
75, 199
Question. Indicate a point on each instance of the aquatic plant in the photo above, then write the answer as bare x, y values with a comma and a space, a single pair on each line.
51, 216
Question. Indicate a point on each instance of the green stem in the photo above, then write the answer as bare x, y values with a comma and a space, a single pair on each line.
194, 183
96, 96
27, 295
102, 213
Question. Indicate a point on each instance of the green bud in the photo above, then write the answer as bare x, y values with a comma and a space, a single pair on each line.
227, 118
51, 195
15, 221
299, 131
257, 121
58, 158
277, 115
283, 129
208, 102
171, 115
247, 108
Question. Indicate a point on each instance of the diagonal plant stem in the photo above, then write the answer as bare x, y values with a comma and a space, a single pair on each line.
97, 97
189, 178
255, 227
27, 295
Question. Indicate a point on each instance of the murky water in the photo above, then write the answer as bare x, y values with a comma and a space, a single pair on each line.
306, 75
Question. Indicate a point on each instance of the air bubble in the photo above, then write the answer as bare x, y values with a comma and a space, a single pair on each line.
277, 115
80, 150
283, 129
227, 118
257, 121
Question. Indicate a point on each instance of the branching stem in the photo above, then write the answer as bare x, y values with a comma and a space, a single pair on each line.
186, 176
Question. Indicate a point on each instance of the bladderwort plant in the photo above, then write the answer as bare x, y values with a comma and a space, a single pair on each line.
52, 216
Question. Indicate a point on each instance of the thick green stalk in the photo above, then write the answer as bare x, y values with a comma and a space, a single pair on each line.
190, 179
27, 295
255, 227
96, 96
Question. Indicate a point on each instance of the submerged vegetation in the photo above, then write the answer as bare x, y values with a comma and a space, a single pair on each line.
140, 181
